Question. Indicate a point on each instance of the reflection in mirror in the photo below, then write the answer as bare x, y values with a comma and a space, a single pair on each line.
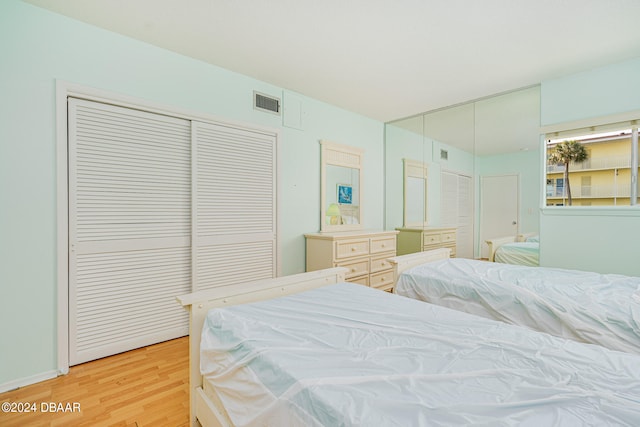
493, 136
341, 177
403, 139
415, 193
446, 141
342, 195
414, 201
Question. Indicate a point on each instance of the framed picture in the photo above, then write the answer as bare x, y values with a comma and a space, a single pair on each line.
345, 194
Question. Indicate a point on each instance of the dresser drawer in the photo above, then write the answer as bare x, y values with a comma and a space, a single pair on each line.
448, 237
381, 263
352, 248
363, 253
364, 280
383, 244
412, 240
382, 280
431, 238
450, 245
356, 268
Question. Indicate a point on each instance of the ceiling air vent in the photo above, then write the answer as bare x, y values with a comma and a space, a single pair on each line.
266, 103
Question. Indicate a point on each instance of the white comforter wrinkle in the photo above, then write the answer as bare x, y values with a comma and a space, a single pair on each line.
392, 361
583, 306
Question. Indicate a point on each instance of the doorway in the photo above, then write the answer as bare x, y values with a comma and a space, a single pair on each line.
499, 213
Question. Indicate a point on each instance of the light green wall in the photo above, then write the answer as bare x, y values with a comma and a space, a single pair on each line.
598, 92
603, 240
39, 47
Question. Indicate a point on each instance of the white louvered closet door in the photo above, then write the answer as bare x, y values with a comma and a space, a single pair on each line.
129, 228
456, 209
234, 232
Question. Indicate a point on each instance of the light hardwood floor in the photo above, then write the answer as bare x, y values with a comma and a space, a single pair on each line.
144, 387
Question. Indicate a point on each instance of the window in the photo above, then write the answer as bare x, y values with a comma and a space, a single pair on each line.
585, 186
555, 188
603, 174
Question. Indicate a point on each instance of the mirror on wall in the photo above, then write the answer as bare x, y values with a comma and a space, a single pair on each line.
415, 193
341, 193
404, 142
438, 150
497, 136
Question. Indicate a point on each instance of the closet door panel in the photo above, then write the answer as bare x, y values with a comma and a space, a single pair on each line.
129, 228
465, 216
233, 263
457, 210
126, 300
234, 223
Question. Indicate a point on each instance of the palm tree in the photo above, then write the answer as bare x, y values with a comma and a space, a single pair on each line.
566, 152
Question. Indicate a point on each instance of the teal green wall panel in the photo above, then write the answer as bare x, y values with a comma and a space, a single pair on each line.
599, 92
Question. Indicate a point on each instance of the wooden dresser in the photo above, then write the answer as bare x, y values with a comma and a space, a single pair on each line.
411, 240
364, 252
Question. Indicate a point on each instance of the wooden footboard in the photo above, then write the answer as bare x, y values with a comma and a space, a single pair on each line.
522, 237
405, 262
204, 410
494, 244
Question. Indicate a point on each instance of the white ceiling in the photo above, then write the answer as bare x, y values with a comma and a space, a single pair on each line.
383, 59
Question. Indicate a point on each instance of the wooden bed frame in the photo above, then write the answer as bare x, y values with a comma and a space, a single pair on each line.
202, 410
494, 244
405, 262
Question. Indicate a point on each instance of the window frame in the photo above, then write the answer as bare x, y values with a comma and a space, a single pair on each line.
582, 128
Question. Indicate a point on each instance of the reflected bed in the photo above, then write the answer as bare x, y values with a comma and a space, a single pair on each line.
523, 249
590, 307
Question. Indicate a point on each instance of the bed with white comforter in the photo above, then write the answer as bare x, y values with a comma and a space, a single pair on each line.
348, 355
523, 249
590, 307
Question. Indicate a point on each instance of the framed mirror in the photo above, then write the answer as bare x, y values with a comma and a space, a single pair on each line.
415, 193
340, 187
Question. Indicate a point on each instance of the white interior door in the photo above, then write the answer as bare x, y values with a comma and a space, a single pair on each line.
234, 206
160, 206
129, 228
499, 200
465, 217
457, 210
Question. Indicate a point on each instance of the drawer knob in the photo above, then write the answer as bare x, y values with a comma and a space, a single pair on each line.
353, 249
353, 270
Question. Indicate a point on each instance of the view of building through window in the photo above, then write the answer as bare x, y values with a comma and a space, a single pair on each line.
603, 179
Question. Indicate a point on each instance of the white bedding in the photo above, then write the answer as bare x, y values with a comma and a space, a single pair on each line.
347, 355
584, 306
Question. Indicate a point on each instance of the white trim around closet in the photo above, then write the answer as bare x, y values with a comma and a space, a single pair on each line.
65, 90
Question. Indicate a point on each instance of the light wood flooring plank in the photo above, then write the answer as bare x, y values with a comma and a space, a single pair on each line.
144, 387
